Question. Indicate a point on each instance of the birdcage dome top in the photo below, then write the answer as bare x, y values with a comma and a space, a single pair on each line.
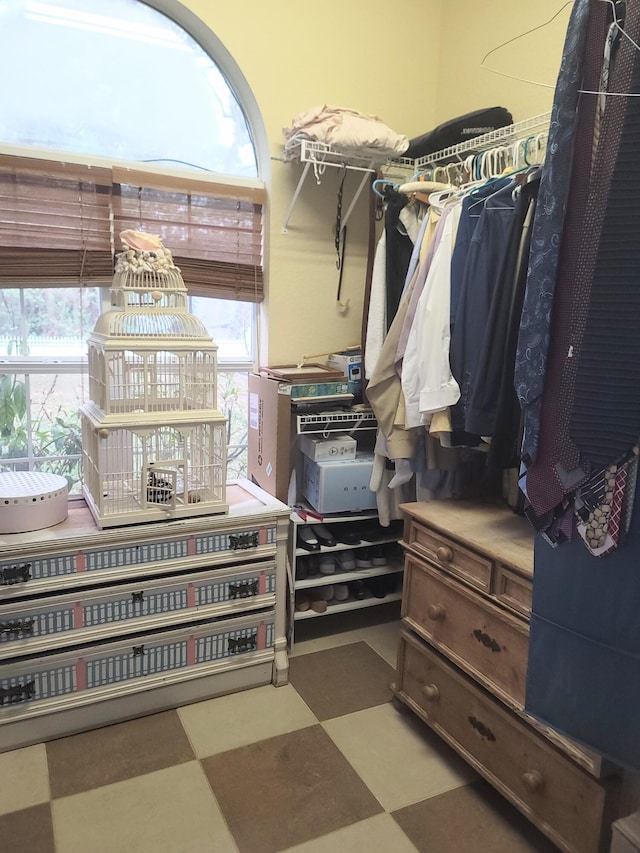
151, 324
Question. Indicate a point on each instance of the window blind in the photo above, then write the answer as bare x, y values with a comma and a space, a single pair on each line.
59, 224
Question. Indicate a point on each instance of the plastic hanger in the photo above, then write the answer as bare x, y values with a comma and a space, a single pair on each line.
382, 182
616, 22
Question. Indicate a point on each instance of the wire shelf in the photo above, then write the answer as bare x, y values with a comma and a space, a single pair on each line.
336, 421
503, 135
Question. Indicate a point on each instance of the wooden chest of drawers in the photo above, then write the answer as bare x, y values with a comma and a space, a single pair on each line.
101, 625
462, 665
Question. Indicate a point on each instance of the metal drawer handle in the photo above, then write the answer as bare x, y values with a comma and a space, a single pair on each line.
243, 541
137, 597
17, 693
242, 644
431, 692
15, 574
243, 589
437, 612
17, 626
533, 781
444, 553
481, 728
486, 640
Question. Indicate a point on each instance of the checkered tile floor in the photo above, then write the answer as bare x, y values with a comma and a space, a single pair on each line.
323, 764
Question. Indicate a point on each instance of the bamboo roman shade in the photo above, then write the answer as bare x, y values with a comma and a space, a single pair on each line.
59, 225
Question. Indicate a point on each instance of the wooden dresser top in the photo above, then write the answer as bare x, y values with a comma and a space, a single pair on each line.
490, 528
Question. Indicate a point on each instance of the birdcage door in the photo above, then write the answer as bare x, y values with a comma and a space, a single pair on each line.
160, 486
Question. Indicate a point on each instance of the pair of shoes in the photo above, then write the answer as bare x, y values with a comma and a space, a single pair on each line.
307, 539
302, 602
346, 561
378, 555
358, 590
327, 564
323, 535
345, 534
363, 559
319, 596
340, 592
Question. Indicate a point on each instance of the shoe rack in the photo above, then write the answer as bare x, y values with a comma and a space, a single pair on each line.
340, 562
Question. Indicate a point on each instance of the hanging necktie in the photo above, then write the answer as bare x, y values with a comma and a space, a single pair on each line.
546, 485
533, 341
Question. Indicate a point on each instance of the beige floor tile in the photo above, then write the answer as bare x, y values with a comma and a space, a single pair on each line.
168, 811
25, 778
379, 834
382, 638
397, 756
225, 723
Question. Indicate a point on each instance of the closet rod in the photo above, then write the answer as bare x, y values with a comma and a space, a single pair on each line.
505, 135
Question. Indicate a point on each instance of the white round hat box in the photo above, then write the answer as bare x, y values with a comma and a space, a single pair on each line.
31, 500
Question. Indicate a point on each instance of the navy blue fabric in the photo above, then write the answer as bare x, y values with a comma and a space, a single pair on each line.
533, 343
583, 676
472, 207
488, 246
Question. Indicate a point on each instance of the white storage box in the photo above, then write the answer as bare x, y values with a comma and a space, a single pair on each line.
341, 486
328, 449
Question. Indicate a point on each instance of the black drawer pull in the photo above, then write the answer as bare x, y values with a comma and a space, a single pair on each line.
480, 727
487, 641
243, 589
242, 541
243, 644
137, 597
17, 626
17, 693
15, 574
138, 651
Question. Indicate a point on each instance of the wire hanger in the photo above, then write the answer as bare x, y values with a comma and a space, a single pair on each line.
616, 22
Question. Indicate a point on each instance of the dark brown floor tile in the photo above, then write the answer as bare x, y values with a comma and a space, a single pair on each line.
89, 760
286, 790
29, 830
473, 819
341, 681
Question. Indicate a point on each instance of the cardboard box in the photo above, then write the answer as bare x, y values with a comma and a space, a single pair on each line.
269, 441
350, 363
341, 486
328, 449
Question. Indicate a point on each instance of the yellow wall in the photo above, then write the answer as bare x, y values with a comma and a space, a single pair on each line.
414, 63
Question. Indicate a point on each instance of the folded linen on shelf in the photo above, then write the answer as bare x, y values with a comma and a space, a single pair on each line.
346, 130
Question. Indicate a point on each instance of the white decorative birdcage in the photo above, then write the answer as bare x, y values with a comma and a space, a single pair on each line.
153, 441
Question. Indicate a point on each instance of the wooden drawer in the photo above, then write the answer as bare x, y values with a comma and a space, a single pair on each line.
488, 643
513, 590
568, 805
92, 613
139, 662
450, 555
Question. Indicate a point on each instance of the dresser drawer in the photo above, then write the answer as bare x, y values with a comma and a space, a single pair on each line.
490, 644
92, 613
451, 556
136, 663
126, 556
513, 590
564, 801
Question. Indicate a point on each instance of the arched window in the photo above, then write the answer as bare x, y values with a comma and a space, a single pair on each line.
112, 85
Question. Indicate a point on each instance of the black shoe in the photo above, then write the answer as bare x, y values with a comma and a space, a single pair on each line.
358, 590
307, 539
345, 534
378, 587
323, 535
